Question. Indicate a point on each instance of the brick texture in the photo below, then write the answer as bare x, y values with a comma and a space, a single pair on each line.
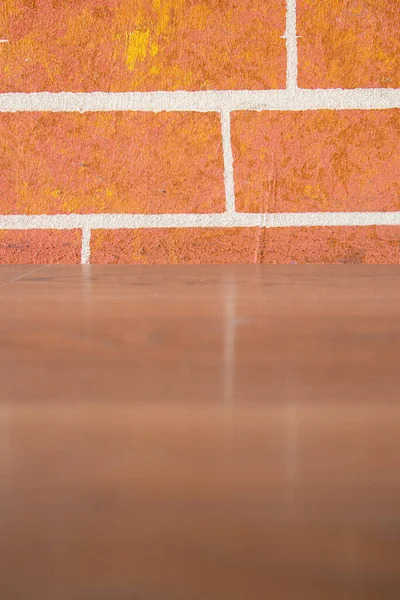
323, 160
348, 44
349, 245
123, 162
123, 168
286, 245
146, 45
192, 246
40, 246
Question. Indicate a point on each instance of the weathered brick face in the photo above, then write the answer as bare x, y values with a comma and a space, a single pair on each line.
320, 160
190, 131
40, 246
349, 44
145, 45
283, 245
111, 162
175, 245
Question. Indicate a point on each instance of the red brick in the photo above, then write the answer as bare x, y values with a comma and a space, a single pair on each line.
118, 162
322, 160
281, 245
40, 246
331, 245
175, 245
344, 44
124, 45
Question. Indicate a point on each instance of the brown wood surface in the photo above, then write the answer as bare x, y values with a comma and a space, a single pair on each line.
200, 433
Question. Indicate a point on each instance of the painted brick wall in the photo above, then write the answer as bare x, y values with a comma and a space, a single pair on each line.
189, 131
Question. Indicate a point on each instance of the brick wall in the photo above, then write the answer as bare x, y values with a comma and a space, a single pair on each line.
157, 131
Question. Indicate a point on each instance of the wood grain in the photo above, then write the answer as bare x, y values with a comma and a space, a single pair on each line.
192, 433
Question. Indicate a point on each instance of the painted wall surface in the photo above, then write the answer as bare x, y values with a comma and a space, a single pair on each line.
190, 131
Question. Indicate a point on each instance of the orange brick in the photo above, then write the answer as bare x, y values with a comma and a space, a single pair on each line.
324, 160
40, 246
175, 245
120, 162
348, 44
123, 45
331, 245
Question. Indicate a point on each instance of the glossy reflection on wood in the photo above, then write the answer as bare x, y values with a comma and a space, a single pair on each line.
192, 433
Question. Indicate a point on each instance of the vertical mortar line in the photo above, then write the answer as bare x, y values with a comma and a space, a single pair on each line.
85, 252
230, 206
291, 45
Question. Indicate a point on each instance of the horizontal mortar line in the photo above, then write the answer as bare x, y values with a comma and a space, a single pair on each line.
228, 219
204, 101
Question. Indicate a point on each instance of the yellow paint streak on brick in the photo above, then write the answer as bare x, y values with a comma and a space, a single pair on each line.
146, 33
163, 9
167, 11
138, 42
154, 49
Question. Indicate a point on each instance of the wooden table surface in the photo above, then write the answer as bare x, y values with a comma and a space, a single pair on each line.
200, 433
